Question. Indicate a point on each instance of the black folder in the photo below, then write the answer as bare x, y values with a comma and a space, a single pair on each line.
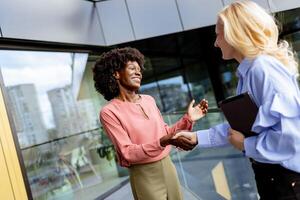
240, 112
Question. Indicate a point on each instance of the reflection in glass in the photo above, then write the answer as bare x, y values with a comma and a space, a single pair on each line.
196, 168
229, 77
174, 93
152, 89
199, 81
55, 117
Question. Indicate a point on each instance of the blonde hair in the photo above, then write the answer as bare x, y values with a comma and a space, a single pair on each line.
252, 32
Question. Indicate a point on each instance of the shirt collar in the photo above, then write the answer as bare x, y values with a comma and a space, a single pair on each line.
243, 67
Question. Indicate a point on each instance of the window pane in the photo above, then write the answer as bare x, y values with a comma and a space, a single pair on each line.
199, 81
54, 110
174, 93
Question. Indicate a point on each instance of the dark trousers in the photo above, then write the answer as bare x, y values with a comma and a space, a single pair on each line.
275, 182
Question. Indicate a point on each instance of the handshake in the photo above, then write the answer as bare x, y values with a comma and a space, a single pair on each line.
185, 140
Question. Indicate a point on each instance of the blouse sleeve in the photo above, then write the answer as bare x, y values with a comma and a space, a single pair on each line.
184, 123
277, 121
133, 153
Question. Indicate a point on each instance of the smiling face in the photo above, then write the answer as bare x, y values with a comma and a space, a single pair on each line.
228, 52
130, 77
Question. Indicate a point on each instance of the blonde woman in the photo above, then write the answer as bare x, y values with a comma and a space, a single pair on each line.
268, 71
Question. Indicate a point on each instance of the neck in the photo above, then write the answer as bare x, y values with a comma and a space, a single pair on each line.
239, 57
129, 96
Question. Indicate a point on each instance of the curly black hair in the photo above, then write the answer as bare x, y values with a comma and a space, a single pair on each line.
110, 62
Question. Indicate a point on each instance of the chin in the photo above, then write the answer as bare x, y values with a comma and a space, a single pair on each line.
227, 57
136, 84
136, 87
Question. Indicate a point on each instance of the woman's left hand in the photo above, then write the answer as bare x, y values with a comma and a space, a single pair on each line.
198, 111
236, 138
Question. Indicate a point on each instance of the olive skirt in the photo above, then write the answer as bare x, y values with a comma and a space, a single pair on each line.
155, 181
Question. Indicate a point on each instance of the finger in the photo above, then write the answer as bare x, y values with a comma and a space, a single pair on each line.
191, 104
203, 102
179, 149
205, 106
184, 147
177, 135
186, 140
186, 143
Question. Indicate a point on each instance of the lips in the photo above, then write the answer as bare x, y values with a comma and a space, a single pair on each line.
136, 79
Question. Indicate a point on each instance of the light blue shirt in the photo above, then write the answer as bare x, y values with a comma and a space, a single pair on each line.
275, 91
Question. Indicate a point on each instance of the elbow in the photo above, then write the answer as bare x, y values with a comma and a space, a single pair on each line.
131, 155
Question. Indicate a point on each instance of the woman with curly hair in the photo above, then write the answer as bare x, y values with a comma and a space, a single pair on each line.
136, 128
268, 71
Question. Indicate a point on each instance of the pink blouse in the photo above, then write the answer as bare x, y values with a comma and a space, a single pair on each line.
135, 130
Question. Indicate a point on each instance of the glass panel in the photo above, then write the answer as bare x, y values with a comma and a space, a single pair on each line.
201, 170
290, 21
229, 77
168, 88
199, 81
54, 110
152, 90
294, 40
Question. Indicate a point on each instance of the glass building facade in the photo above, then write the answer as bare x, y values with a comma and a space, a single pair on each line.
65, 154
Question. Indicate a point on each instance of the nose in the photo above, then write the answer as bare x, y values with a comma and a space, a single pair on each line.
138, 72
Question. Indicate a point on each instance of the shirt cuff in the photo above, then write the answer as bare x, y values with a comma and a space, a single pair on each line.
203, 138
249, 146
187, 117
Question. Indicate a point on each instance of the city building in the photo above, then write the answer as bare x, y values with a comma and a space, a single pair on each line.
26, 114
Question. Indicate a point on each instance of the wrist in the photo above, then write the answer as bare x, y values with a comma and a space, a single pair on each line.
242, 147
163, 142
194, 138
190, 118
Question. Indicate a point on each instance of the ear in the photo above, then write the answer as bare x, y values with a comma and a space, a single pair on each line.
116, 75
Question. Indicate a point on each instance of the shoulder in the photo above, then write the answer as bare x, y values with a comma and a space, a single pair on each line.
147, 98
266, 64
108, 109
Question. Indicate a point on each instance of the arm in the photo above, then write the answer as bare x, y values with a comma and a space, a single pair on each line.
215, 136
133, 153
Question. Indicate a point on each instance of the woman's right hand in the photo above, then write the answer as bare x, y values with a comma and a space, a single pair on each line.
192, 136
181, 140
165, 140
